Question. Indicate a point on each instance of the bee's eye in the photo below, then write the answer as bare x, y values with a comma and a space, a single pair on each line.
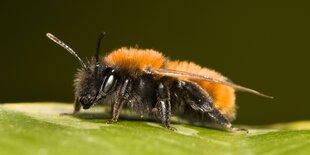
108, 85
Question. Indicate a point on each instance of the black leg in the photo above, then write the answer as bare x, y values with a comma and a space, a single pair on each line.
163, 103
222, 120
77, 108
196, 97
122, 98
200, 100
116, 110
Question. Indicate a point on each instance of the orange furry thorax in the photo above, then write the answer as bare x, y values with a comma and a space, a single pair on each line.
132, 60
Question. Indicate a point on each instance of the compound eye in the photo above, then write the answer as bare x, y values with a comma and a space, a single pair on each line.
109, 83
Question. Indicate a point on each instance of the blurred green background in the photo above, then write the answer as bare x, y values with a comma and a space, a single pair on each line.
263, 45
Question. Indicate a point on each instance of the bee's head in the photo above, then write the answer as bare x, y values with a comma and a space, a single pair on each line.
94, 84
94, 81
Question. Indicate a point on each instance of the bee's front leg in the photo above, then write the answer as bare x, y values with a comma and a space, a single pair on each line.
123, 97
116, 110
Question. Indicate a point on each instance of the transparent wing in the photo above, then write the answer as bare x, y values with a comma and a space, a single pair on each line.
175, 73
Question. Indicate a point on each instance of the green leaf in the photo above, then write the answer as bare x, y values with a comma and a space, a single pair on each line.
37, 128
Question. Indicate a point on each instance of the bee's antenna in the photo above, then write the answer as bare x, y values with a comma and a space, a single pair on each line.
62, 44
102, 34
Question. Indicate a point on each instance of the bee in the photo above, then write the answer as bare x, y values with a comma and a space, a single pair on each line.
147, 82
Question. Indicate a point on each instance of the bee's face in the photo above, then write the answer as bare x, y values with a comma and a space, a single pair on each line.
93, 85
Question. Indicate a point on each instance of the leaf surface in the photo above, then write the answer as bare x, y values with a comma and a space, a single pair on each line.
37, 128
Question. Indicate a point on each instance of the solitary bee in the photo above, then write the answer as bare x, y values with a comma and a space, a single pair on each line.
147, 82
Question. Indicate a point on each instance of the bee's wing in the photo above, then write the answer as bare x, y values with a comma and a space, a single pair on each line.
175, 73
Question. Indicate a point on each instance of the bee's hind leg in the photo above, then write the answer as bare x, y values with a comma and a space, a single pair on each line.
201, 101
223, 121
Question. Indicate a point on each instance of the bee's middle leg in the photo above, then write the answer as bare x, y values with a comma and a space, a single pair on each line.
163, 103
